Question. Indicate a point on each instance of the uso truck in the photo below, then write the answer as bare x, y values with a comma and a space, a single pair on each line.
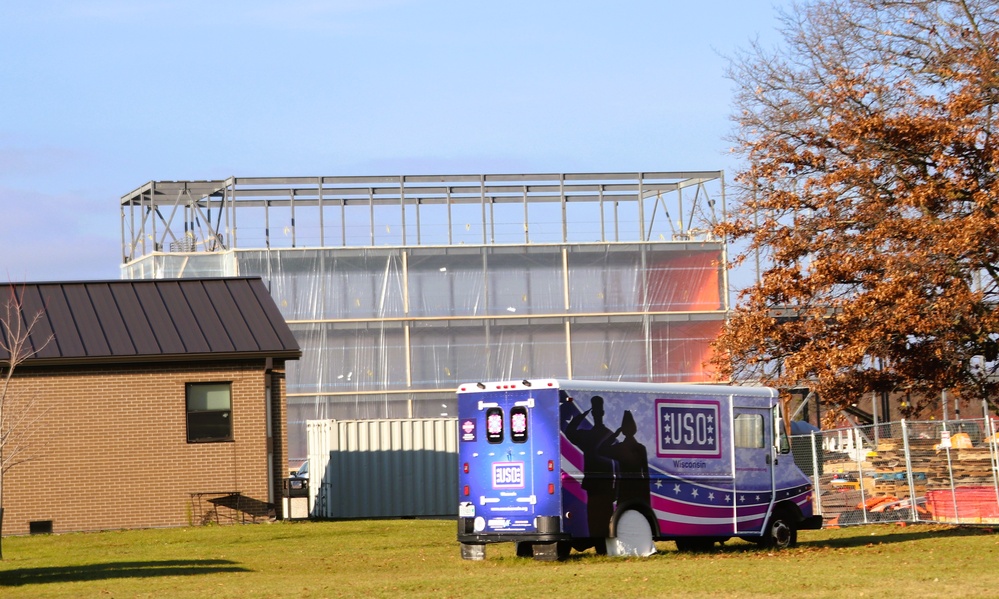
555, 465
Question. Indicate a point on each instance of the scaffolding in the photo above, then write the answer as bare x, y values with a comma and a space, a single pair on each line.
400, 288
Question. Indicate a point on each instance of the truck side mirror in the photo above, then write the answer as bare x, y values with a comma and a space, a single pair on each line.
784, 444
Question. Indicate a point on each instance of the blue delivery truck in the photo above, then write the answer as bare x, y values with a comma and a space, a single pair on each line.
555, 465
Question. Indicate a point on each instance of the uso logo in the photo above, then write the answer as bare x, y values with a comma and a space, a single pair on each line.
687, 428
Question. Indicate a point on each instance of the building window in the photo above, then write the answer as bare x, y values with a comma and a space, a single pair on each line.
209, 412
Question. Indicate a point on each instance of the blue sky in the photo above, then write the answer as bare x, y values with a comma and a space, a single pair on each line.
97, 97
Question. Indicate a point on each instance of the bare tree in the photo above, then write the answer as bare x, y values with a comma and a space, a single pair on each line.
871, 188
18, 413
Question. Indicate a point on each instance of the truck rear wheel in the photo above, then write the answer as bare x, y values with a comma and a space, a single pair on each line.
633, 535
473, 551
548, 552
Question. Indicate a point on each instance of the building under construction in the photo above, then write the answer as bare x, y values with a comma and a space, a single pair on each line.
399, 288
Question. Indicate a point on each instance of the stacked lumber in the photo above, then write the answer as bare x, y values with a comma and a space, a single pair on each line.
840, 487
969, 467
836, 501
954, 484
891, 476
844, 465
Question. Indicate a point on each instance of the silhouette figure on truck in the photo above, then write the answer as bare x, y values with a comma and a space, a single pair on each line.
598, 468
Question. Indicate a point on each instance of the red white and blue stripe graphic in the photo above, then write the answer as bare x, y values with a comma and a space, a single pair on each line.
687, 507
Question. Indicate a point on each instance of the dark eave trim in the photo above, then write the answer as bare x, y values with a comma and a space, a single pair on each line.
160, 358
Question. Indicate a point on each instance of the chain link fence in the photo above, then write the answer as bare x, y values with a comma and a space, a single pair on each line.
932, 471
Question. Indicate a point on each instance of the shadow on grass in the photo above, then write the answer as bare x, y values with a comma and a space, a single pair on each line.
25, 576
913, 532
859, 536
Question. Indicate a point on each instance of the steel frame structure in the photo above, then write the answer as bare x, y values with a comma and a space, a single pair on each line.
181, 216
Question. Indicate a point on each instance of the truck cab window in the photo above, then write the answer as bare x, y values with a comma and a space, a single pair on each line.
748, 431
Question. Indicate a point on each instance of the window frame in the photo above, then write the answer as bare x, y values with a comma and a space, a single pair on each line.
203, 415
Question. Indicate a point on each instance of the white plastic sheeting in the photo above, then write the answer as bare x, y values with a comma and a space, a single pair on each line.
389, 332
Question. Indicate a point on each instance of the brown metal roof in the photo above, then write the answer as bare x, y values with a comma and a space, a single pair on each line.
150, 320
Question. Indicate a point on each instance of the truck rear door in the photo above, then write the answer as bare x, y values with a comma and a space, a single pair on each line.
508, 455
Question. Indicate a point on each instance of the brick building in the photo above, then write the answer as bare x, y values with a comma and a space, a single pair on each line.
148, 404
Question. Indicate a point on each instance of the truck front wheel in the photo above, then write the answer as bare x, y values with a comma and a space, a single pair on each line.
781, 532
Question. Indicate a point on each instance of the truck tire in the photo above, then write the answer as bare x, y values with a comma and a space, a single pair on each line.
564, 549
550, 551
472, 551
781, 531
525, 549
633, 536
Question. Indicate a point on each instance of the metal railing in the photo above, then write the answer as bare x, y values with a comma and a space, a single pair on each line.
927, 471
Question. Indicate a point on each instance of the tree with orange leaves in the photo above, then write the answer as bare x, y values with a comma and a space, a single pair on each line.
871, 193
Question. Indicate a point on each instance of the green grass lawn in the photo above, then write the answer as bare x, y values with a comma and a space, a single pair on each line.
420, 558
